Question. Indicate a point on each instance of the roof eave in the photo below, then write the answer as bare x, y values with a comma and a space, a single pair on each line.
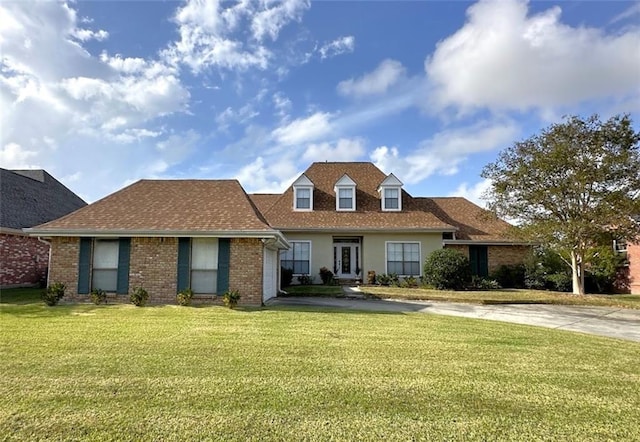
368, 230
504, 242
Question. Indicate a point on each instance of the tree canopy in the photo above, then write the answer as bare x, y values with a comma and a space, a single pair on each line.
571, 185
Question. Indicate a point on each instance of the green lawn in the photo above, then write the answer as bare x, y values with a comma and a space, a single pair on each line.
314, 290
504, 296
117, 372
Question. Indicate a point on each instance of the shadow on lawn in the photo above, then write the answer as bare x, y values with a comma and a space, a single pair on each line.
344, 305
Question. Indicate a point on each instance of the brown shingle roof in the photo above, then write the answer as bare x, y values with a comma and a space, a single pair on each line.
264, 201
167, 206
368, 213
474, 222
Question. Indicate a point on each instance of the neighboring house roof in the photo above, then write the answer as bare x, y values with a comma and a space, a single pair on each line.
368, 214
32, 197
473, 222
167, 208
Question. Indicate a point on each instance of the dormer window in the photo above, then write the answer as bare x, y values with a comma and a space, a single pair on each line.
391, 194
345, 194
303, 194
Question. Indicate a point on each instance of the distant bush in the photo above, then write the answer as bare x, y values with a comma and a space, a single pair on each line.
139, 297
305, 280
480, 283
388, 279
510, 276
326, 275
447, 269
53, 294
286, 276
560, 282
184, 297
98, 296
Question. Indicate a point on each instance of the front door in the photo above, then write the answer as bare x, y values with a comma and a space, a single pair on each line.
346, 260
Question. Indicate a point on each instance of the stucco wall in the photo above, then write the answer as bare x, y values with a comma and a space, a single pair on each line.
373, 253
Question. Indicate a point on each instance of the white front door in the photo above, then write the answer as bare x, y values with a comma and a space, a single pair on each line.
346, 260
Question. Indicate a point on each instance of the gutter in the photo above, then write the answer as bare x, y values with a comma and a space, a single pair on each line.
484, 243
336, 230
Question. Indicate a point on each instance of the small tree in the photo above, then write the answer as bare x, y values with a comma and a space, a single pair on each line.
571, 185
447, 269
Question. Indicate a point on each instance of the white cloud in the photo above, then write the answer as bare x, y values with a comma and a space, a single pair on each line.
270, 20
445, 151
474, 192
262, 176
241, 116
345, 149
282, 105
13, 156
303, 130
87, 34
630, 12
504, 58
376, 82
339, 46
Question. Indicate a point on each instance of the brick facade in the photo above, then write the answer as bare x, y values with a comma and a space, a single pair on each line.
245, 269
153, 264
633, 255
497, 255
23, 261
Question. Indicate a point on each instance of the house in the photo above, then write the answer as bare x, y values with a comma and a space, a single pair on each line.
354, 219
167, 236
633, 259
211, 236
28, 198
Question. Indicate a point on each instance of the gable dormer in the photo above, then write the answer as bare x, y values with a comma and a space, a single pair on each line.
303, 194
345, 189
390, 191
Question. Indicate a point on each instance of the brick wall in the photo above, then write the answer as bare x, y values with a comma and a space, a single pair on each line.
23, 261
153, 264
64, 264
633, 255
497, 255
245, 269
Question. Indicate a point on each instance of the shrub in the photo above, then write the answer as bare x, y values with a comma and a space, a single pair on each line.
560, 282
411, 281
98, 296
139, 297
286, 276
510, 276
185, 296
480, 283
305, 280
388, 279
53, 294
447, 269
371, 277
231, 298
326, 275
542, 263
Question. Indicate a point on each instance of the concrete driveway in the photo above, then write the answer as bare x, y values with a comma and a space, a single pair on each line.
602, 321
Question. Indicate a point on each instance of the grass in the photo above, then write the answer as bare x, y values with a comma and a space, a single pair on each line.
117, 372
314, 290
504, 296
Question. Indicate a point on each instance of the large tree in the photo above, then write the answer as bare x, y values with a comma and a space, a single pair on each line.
573, 184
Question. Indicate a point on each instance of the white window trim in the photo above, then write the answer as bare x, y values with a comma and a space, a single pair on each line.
353, 198
383, 199
295, 198
291, 242
386, 252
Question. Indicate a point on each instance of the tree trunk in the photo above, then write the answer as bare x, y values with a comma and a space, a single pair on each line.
577, 273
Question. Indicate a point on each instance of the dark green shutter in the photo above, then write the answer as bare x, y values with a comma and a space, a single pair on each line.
84, 266
124, 248
184, 264
479, 260
224, 252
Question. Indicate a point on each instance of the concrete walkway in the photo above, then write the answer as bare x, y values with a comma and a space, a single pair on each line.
602, 321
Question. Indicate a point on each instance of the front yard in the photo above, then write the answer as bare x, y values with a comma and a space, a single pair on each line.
118, 372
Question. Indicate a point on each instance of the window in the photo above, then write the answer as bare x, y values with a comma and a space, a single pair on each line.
303, 198
403, 258
297, 258
447, 235
391, 199
105, 265
345, 199
204, 265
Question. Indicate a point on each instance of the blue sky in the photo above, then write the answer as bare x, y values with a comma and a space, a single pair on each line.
103, 93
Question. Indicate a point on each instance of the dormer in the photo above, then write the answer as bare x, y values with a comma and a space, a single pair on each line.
303, 194
390, 194
345, 189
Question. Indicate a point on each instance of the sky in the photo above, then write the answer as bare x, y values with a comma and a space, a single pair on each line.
104, 93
